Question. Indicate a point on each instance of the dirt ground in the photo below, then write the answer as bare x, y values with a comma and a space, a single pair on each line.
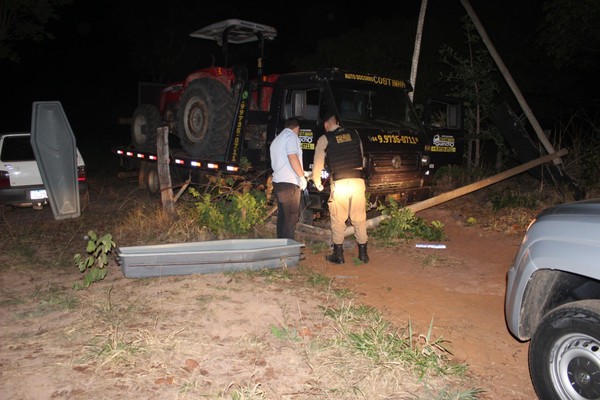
193, 336
460, 290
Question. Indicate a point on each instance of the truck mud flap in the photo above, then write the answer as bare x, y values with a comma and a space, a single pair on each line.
525, 149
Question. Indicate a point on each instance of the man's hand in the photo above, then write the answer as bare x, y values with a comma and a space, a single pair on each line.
319, 186
303, 183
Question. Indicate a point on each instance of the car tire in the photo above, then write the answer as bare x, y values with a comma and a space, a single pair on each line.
564, 353
144, 123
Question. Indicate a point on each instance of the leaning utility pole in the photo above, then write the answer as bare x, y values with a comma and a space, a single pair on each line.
511, 83
417, 50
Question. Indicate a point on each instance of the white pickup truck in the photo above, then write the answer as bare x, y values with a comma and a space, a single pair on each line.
21, 183
553, 299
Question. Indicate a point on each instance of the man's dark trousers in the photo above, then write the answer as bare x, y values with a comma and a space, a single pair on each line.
288, 205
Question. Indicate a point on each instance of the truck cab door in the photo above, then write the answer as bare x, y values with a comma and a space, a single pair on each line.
304, 104
443, 118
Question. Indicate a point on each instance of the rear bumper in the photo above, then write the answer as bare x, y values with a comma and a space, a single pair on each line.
21, 196
405, 196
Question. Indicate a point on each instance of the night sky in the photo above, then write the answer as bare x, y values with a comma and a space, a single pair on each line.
103, 48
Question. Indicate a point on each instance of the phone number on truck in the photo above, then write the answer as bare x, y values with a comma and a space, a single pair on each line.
394, 139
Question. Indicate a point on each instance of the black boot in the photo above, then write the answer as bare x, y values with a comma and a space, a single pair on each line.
337, 257
362, 253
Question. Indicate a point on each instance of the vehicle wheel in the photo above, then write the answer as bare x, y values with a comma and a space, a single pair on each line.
144, 123
152, 181
204, 119
564, 354
148, 177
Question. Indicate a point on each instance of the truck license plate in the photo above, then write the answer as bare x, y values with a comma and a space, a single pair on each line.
38, 194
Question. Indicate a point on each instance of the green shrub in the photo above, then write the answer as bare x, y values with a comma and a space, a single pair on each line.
232, 213
95, 262
402, 224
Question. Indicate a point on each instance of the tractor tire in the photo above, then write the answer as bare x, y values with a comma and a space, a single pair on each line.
144, 123
204, 119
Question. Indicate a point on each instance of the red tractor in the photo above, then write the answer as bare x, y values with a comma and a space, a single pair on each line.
200, 109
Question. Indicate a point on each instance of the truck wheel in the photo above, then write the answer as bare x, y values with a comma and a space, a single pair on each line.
144, 123
148, 177
152, 181
564, 354
204, 120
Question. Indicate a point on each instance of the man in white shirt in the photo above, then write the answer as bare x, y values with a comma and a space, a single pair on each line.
288, 177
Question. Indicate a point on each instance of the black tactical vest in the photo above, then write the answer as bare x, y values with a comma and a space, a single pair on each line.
344, 156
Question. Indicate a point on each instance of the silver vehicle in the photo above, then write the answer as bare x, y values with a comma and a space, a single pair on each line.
553, 299
20, 179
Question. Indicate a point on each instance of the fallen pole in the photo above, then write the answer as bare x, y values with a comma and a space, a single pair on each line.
444, 197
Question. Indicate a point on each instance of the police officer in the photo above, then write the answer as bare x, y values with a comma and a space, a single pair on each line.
343, 150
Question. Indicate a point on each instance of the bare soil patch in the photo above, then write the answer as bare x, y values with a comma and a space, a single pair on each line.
195, 336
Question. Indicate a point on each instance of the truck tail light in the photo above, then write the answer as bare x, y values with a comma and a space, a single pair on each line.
4, 180
81, 175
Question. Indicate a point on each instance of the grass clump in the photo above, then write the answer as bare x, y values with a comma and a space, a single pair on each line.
388, 360
48, 300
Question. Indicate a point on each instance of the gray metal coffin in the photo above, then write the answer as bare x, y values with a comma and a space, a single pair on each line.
207, 257
55, 151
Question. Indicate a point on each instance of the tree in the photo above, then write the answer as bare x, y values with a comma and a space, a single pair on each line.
570, 34
474, 79
25, 20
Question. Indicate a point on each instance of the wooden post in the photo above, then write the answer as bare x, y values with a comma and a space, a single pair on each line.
164, 173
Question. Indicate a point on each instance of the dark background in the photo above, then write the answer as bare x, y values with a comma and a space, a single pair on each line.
103, 48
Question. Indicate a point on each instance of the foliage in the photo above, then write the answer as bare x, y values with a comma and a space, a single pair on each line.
474, 79
227, 208
580, 134
514, 199
403, 224
26, 20
454, 176
95, 262
285, 333
569, 32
